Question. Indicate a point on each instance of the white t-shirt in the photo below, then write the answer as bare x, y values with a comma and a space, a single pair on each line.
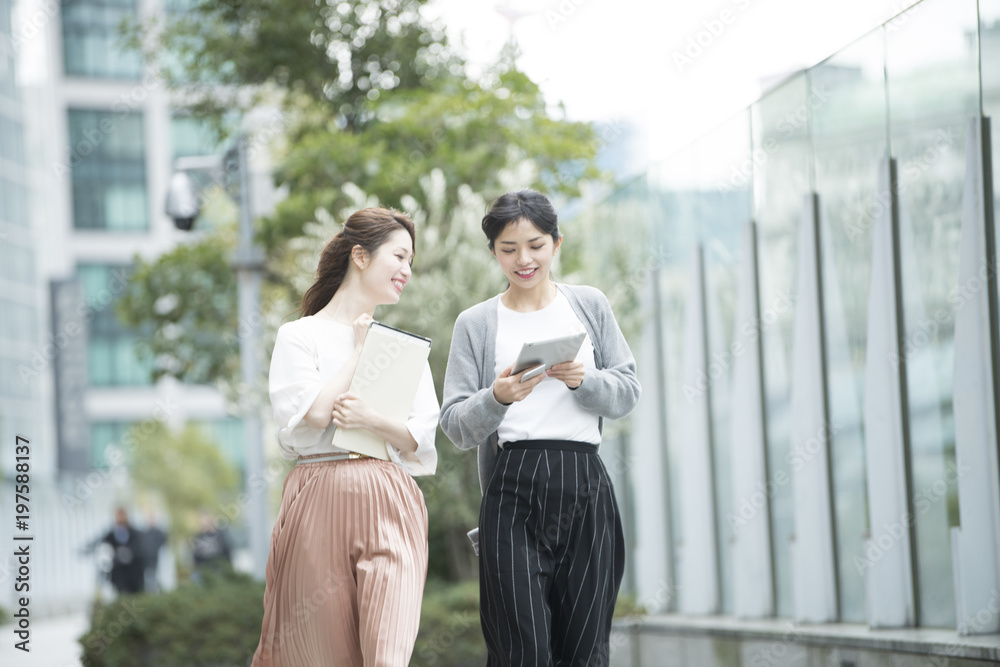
550, 412
308, 353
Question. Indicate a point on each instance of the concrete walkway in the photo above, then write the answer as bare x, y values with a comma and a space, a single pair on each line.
53, 643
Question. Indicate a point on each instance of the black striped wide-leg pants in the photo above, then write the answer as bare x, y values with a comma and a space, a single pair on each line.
551, 556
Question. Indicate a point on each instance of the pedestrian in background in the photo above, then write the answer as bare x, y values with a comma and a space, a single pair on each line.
210, 549
126, 564
153, 537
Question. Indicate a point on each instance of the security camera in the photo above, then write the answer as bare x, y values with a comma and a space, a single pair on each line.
182, 201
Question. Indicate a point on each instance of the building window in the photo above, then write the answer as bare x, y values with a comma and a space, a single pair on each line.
11, 142
13, 203
112, 356
104, 435
18, 324
93, 44
7, 85
107, 156
191, 136
17, 264
5, 8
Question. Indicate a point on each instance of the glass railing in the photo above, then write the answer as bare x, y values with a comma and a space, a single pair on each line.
906, 90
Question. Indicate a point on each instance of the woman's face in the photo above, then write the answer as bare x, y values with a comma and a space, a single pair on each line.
388, 270
525, 253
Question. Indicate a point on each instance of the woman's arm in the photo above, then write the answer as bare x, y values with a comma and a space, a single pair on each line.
612, 391
422, 424
350, 411
321, 410
469, 414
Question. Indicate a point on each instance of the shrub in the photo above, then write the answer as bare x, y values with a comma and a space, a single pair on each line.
218, 625
628, 607
450, 634
214, 625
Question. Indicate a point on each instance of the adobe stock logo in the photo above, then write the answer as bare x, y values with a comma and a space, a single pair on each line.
712, 29
562, 12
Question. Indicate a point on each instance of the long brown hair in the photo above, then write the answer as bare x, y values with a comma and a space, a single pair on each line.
368, 228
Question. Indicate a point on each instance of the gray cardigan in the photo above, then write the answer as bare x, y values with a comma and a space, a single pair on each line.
470, 415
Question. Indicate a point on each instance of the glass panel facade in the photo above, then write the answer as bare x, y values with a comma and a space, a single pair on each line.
989, 45
908, 90
92, 39
782, 178
715, 206
932, 78
668, 208
726, 217
113, 360
849, 139
108, 160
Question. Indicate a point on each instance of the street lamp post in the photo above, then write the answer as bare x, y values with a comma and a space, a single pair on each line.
182, 206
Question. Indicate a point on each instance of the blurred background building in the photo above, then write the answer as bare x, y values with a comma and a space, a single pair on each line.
20, 404
88, 138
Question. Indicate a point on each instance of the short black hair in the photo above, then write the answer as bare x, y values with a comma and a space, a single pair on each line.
531, 205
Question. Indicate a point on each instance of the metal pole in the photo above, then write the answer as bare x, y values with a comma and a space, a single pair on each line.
249, 263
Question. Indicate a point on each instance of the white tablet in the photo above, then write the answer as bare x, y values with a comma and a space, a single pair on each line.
539, 356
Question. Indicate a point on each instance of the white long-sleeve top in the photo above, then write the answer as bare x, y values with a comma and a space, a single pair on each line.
550, 412
308, 353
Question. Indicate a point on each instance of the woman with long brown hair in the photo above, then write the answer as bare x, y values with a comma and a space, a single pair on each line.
348, 556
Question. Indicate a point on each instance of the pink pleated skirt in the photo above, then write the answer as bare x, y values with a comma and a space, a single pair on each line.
347, 567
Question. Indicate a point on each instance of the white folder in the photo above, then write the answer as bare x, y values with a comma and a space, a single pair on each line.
387, 377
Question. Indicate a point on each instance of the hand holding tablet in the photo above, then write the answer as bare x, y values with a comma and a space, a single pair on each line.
539, 356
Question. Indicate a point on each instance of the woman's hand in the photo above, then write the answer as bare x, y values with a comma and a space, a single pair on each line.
361, 328
509, 389
349, 411
570, 372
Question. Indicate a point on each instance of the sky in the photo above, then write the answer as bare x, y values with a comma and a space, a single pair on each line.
672, 69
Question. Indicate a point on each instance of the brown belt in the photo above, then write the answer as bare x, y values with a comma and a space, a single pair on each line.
344, 456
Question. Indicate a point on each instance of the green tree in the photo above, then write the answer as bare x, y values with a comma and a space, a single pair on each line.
372, 96
187, 471
468, 130
232, 54
376, 108
187, 300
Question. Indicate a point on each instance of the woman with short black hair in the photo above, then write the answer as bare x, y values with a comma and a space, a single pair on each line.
552, 551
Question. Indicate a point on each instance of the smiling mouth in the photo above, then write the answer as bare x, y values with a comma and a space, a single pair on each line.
526, 273
399, 285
